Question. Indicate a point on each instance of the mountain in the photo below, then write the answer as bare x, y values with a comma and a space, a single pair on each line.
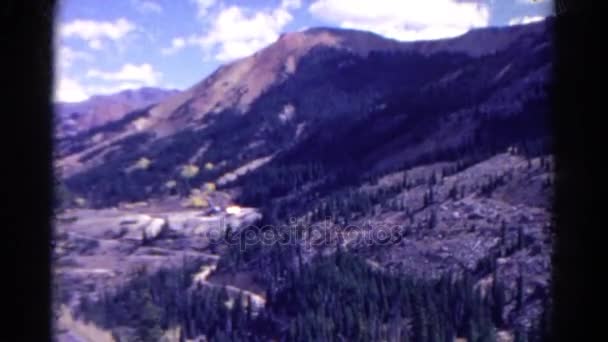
311, 92
100, 109
376, 159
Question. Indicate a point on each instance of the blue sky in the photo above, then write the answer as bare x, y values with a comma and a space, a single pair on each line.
105, 46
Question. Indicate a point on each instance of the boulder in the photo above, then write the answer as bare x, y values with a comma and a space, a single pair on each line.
154, 228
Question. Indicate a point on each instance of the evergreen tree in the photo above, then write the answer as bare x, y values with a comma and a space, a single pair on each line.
520, 292
545, 331
498, 301
433, 219
182, 335
521, 336
148, 327
503, 233
520, 238
472, 331
488, 333
453, 193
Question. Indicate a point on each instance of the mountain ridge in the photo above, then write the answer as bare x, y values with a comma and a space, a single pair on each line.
265, 82
74, 117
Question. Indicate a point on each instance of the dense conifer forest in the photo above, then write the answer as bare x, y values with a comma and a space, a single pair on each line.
334, 298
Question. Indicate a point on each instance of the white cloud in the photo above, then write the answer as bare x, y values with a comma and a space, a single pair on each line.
69, 90
525, 20
404, 19
253, 31
530, 2
112, 89
291, 4
203, 6
66, 56
130, 76
145, 6
95, 44
177, 44
234, 32
143, 74
93, 32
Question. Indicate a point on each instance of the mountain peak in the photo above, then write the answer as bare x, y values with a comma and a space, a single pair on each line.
359, 42
235, 86
475, 42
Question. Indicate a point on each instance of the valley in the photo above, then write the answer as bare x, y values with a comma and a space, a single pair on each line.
336, 185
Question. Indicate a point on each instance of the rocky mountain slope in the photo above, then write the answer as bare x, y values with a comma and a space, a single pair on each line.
305, 88
429, 160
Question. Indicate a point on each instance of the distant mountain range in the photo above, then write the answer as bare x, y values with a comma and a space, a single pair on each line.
100, 109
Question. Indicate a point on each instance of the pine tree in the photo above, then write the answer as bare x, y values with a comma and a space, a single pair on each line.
420, 320
293, 331
488, 333
520, 292
521, 336
249, 312
433, 219
472, 331
498, 301
520, 238
545, 330
299, 254
453, 193
144, 238
182, 335
148, 325
237, 313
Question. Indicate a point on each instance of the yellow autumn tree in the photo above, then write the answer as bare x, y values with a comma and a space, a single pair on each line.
189, 171
210, 187
196, 200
